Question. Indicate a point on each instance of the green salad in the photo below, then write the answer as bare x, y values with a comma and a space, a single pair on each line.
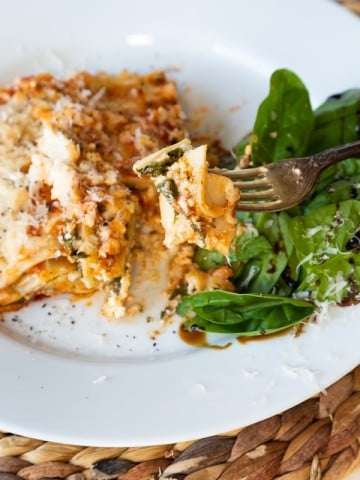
286, 263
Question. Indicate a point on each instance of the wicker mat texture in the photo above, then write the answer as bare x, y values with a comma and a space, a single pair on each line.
318, 439
353, 5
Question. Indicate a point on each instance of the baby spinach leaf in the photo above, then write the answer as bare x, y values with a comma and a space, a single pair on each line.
337, 121
328, 266
249, 245
337, 191
208, 259
284, 121
334, 280
326, 230
272, 266
342, 170
246, 314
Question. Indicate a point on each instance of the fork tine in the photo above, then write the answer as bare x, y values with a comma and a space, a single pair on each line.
242, 173
274, 206
253, 184
268, 194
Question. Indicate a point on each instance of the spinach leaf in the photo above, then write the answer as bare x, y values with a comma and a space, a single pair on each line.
342, 170
336, 191
328, 263
334, 280
259, 265
284, 120
337, 121
326, 230
263, 253
259, 275
208, 259
245, 314
249, 245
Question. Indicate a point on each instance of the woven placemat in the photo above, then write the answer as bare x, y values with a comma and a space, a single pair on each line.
353, 5
318, 439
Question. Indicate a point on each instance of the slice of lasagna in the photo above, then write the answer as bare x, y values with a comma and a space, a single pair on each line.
70, 204
196, 206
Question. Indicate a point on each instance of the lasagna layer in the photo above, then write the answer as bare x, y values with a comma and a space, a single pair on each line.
70, 204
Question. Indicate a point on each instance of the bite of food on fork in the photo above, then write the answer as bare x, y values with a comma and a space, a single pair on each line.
196, 206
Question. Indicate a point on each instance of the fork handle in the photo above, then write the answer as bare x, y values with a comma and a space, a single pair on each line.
336, 154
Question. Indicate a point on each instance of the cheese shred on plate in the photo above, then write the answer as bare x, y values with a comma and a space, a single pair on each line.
70, 203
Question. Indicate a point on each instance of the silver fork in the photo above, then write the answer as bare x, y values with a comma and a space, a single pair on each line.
284, 184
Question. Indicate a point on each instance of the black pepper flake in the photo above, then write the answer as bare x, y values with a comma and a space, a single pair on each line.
353, 242
353, 193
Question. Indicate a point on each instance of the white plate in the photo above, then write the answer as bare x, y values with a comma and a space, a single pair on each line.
95, 383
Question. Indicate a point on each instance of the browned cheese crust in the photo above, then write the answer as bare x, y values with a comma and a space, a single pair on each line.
70, 204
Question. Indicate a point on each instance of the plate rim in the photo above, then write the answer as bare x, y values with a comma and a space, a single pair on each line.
91, 371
